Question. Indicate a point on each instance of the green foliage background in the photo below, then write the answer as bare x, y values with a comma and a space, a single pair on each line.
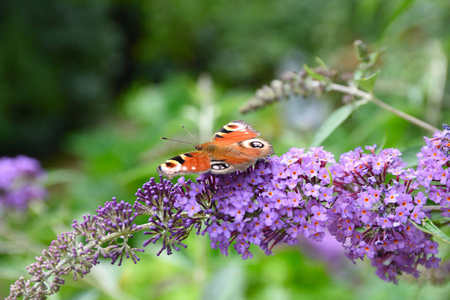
89, 87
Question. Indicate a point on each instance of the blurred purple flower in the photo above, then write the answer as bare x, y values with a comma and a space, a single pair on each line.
20, 182
433, 169
328, 250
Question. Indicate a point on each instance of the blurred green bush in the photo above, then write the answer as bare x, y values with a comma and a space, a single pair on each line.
131, 71
58, 64
62, 63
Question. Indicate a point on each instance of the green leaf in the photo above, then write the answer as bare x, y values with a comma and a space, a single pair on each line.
368, 83
333, 121
314, 74
382, 142
409, 156
438, 219
331, 177
395, 14
429, 227
320, 62
374, 56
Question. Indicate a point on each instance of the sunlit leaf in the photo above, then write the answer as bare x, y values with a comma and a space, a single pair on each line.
333, 121
429, 227
410, 156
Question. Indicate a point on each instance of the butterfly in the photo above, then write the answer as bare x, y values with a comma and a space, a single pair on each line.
234, 147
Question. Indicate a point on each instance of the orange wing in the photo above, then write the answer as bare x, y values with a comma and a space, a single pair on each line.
234, 132
235, 147
195, 162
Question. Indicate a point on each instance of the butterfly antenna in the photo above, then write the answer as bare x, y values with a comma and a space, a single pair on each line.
190, 134
178, 141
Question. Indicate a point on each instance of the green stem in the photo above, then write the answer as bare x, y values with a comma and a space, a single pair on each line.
370, 97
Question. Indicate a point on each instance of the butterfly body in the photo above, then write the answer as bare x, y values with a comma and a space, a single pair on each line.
234, 147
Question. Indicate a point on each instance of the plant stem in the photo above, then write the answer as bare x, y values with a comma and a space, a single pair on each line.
370, 97
93, 244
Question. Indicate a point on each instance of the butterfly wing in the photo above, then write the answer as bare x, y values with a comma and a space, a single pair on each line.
195, 162
233, 132
236, 147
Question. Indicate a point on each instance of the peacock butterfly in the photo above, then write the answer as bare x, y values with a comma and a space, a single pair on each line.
234, 147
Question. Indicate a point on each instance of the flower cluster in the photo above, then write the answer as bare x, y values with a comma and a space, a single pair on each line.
291, 83
20, 182
175, 209
378, 199
433, 169
112, 226
268, 204
274, 202
368, 200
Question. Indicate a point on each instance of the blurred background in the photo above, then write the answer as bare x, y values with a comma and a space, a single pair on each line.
89, 87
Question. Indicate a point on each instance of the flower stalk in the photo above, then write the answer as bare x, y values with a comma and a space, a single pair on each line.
314, 82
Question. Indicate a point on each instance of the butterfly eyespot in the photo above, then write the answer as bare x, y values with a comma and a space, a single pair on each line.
170, 165
257, 145
219, 166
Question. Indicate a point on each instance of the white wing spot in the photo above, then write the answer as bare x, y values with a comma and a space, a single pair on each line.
184, 168
193, 168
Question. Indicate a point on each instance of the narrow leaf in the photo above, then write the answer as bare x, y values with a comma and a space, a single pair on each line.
409, 156
429, 227
314, 74
334, 120
384, 139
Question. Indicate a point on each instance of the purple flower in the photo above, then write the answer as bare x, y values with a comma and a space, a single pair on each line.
319, 213
431, 247
106, 234
20, 182
376, 194
433, 169
391, 197
175, 209
192, 207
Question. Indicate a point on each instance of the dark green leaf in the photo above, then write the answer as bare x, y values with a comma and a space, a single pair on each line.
396, 13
